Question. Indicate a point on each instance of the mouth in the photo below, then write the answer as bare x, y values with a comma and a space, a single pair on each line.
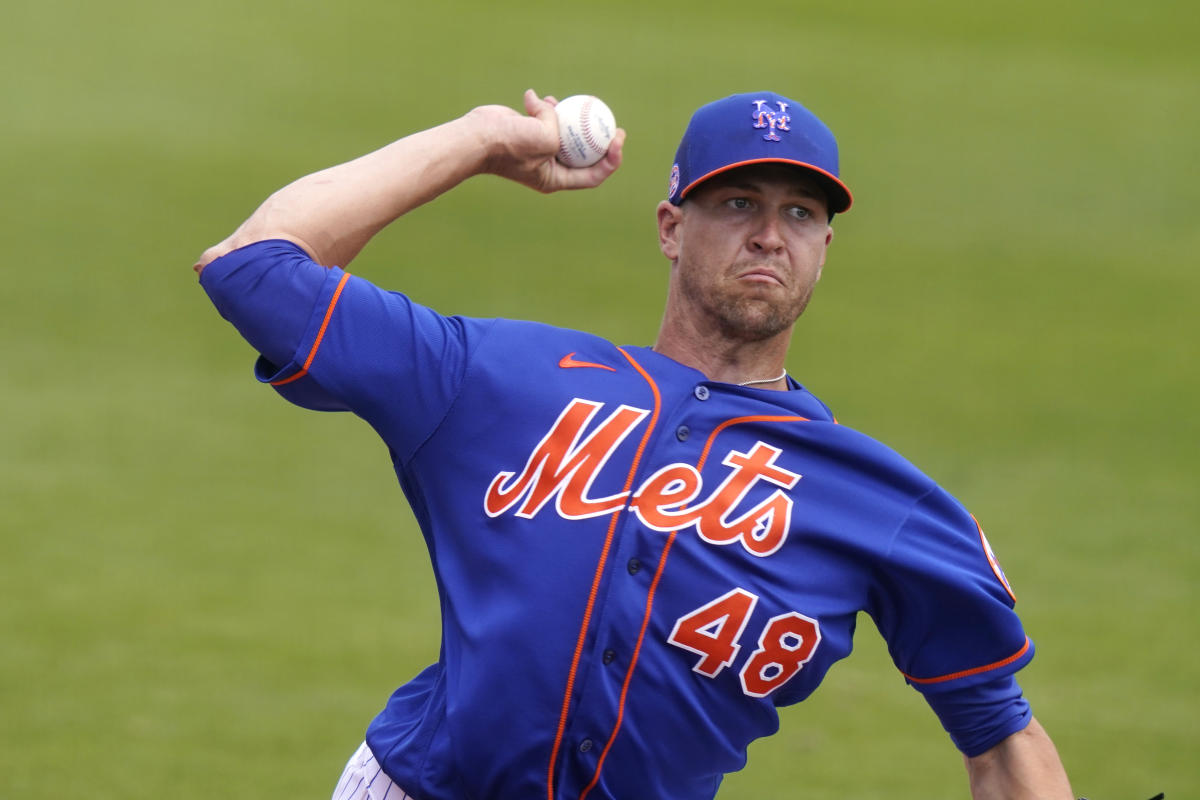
761, 274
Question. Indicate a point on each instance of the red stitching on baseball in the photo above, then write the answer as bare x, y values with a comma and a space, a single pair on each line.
585, 122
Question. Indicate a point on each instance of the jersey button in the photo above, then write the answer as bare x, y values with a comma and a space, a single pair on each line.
701, 392
609, 655
585, 745
682, 433
633, 566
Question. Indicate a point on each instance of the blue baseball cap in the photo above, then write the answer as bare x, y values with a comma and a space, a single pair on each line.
756, 128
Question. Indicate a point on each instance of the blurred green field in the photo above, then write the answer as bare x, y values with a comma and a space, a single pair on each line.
205, 592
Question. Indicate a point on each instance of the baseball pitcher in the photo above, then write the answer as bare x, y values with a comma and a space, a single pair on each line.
641, 552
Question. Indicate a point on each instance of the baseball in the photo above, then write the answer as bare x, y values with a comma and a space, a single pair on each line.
585, 128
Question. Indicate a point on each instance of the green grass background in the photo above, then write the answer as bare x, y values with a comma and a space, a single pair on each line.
205, 592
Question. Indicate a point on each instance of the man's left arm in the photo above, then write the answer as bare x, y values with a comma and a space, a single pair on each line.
1025, 766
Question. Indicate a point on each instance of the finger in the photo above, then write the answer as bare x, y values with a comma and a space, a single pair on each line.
539, 106
588, 177
532, 102
616, 148
544, 111
614, 155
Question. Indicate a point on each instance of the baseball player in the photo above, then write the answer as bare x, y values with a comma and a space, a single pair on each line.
641, 552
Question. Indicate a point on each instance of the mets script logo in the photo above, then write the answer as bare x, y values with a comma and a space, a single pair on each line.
564, 465
771, 120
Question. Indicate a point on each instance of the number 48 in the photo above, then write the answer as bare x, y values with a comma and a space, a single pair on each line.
712, 631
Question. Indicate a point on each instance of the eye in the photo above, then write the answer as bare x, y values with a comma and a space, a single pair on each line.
799, 212
738, 202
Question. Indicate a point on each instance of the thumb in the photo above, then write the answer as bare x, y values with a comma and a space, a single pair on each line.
538, 107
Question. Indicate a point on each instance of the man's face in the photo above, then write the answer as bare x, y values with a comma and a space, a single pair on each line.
747, 247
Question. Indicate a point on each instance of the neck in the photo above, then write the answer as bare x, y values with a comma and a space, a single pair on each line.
759, 363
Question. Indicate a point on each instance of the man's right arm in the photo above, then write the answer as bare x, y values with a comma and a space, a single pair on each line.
1024, 766
332, 214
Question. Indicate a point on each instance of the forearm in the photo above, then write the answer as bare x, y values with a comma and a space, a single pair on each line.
334, 213
1025, 766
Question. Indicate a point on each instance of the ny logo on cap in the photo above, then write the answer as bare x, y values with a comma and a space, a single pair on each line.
765, 118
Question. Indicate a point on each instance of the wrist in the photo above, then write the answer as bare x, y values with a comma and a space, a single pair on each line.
506, 142
475, 141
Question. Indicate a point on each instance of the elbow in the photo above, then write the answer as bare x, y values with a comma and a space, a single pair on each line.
242, 239
274, 219
210, 255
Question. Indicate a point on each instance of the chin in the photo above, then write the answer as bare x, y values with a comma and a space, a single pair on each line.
762, 318
752, 322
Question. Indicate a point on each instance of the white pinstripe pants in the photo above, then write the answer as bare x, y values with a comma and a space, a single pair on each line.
364, 780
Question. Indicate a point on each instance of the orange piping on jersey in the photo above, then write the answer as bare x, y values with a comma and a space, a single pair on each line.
738, 421
654, 587
595, 590
637, 649
312, 353
1004, 662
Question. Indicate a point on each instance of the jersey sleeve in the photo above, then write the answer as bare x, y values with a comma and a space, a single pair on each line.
980, 716
331, 341
943, 604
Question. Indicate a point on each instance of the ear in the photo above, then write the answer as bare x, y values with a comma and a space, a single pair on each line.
669, 219
825, 250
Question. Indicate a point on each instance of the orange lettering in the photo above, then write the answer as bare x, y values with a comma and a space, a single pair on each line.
564, 465
763, 528
669, 488
561, 466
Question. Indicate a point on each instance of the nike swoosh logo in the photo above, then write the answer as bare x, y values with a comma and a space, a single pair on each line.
568, 361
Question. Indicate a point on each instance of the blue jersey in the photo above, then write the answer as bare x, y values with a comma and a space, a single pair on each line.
636, 565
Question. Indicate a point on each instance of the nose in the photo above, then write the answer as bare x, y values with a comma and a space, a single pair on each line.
767, 236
